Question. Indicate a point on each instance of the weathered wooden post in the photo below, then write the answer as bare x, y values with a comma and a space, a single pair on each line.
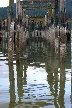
19, 12
5, 30
11, 43
17, 41
45, 20
56, 12
63, 43
24, 37
20, 38
62, 31
17, 8
10, 31
24, 15
27, 21
9, 21
62, 12
71, 62
57, 40
71, 49
10, 15
18, 29
11, 2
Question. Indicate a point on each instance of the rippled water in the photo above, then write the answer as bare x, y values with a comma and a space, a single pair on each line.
40, 82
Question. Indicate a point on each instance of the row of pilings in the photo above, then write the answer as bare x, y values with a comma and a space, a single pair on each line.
17, 37
56, 38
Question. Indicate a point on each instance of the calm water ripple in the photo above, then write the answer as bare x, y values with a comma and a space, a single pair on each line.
41, 82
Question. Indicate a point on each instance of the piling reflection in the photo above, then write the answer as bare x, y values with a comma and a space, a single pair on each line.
62, 86
52, 77
12, 86
25, 75
19, 80
27, 92
56, 83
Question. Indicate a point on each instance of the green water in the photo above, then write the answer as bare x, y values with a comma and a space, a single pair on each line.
39, 82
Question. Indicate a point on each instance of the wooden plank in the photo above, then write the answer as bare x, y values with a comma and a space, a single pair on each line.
36, 1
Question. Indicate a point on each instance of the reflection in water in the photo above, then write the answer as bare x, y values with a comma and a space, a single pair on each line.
12, 86
56, 83
38, 82
25, 68
52, 70
19, 79
62, 85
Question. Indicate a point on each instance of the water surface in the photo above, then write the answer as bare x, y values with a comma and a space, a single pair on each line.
42, 81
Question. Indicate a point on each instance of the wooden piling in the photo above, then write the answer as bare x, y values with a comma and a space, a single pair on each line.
17, 40
10, 43
71, 48
20, 38
63, 45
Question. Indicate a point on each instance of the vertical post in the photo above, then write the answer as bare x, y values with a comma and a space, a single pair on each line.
10, 43
11, 2
53, 10
62, 12
45, 20
17, 8
24, 15
17, 41
71, 64
10, 15
21, 10
20, 14
56, 12
71, 51
20, 39
18, 11
9, 22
